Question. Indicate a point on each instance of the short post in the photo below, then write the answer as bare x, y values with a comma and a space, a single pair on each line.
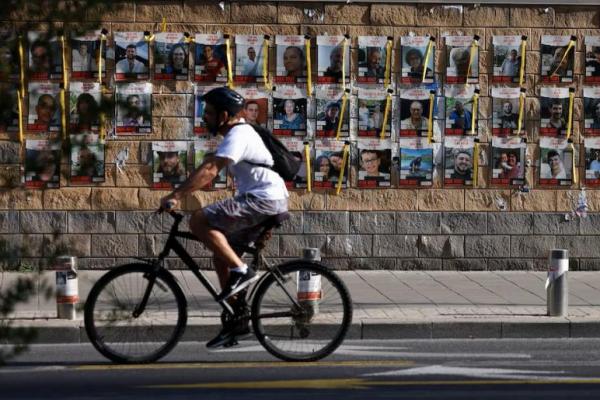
557, 290
309, 287
67, 290
311, 254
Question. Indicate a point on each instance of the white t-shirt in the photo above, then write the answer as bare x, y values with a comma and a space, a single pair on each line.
242, 143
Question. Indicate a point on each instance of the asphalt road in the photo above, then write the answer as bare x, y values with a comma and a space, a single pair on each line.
422, 369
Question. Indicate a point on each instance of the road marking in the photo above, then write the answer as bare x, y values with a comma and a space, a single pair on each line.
387, 353
484, 373
20, 370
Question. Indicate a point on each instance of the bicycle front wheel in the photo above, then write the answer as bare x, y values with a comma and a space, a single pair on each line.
301, 313
111, 314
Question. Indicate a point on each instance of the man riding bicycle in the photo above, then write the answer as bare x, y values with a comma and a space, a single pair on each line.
227, 226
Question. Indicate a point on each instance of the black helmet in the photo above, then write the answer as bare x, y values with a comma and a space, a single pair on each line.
225, 99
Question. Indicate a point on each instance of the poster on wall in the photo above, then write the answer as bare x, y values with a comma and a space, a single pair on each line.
458, 161
415, 107
296, 147
508, 59
87, 159
204, 148
250, 58
330, 101
84, 107
414, 57
256, 105
171, 56
134, 108
591, 109
9, 107
592, 161
558, 58
462, 59
199, 125
291, 59
371, 112
556, 162
374, 163
45, 57
415, 162
592, 59
333, 59
329, 156
44, 107
372, 56
508, 161
554, 111
169, 164
211, 58
9, 55
132, 59
42, 164
85, 56
289, 110
459, 110
505, 111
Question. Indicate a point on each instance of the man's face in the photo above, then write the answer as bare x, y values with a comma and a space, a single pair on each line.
512, 160
288, 107
416, 111
86, 157
554, 163
336, 161
507, 108
208, 52
556, 111
513, 55
459, 107
462, 163
598, 110
210, 118
251, 53
370, 163
414, 60
374, 60
134, 103
503, 157
45, 108
130, 53
332, 113
39, 56
335, 59
169, 162
83, 49
252, 112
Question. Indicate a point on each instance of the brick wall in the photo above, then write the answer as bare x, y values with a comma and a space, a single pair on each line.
393, 228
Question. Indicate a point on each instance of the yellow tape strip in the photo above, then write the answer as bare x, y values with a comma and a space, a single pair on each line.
521, 112
342, 111
308, 68
308, 172
20, 105
430, 118
388, 63
344, 47
63, 119
426, 62
570, 119
22, 66
564, 57
475, 164
265, 66
102, 40
229, 68
475, 111
386, 114
474, 45
344, 162
522, 67
102, 128
164, 24
575, 171
64, 62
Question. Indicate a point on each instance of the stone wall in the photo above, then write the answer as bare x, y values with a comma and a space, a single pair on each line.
393, 228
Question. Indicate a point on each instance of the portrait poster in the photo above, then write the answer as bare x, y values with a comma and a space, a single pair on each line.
459, 62
44, 107
458, 161
249, 58
415, 106
592, 60
296, 147
592, 161
256, 105
374, 163
329, 156
415, 162
85, 55
554, 111
87, 159
199, 125
329, 100
505, 111
289, 110
508, 161
169, 164
291, 59
42, 164
171, 56
459, 102
372, 56
556, 162
134, 108
9, 107
84, 107
371, 112
210, 63
333, 59
556, 66
132, 57
414, 53
45, 57
591, 109
507, 59
9, 55
204, 148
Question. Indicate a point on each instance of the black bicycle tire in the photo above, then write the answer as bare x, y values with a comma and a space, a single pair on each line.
116, 272
344, 295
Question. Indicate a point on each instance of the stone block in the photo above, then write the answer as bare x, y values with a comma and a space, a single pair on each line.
510, 223
197, 249
301, 200
9, 221
114, 147
356, 263
393, 14
177, 128
91, 222
589, 264
73, 245
507, 264
326, 222
115, 11
487, 246
277, 30
138, 222
135, 176
535, 200
151, 245
292, 245
590, 225
441, 246
252, 13
395, 246
294, 224
457, 223
441, 200
580, 246
372, 222
349, 246
67, 199
532, 17
114, 245
465, 264
554, 224
169, 105
10, 176
531, 246
149, 199
115, 199
419, 264
343, 13
10, 152
428, 15
156, 10
314, 30
485, 16
195, 201
486, 199
370, 30
577, 17
567, 200
366, 200
294, 13
418, 222
43, 221
206, 11
20, 199
98, 264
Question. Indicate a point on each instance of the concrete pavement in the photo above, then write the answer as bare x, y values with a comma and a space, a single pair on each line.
388, 305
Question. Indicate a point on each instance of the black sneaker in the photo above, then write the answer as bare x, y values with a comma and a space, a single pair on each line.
236, 283
229, 335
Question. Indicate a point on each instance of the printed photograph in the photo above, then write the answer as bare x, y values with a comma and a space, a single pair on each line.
131, 56
42, 164
289, 116
169, 164
171, 56
416, 165
211, 61
134, 108
87, 159
45, 57
44, 107
291, 59
85, 55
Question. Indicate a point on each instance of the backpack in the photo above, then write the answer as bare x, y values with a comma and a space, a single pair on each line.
284, 162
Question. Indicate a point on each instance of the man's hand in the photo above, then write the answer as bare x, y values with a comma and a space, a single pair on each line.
169, 202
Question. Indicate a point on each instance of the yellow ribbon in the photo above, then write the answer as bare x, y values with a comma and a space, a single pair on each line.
102, 127
308, 66
430, 118
344, 162
570, 119
388, 106
522, 67
427, 56
388, 62
64, 62
265, 66
20, 105
164, 24
475, 163
22, 66
569, 47
575, 172
521, 112
474, 45
342, 111
307, 158
63, 118
229, 71
102, 40
344, 46
148, 37
475, 111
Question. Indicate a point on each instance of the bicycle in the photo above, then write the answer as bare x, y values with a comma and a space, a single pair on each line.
299, 310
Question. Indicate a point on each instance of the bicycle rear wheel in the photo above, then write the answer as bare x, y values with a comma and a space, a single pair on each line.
305, 315
120, 335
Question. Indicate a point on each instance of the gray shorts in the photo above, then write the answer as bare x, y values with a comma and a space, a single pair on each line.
237, 217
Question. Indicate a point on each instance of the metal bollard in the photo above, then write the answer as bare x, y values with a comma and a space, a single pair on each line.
67, 290
557, 290
309, 286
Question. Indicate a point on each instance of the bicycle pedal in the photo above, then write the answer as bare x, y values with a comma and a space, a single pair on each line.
231, 343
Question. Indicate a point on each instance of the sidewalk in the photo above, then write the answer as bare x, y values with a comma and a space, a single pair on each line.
390, 305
